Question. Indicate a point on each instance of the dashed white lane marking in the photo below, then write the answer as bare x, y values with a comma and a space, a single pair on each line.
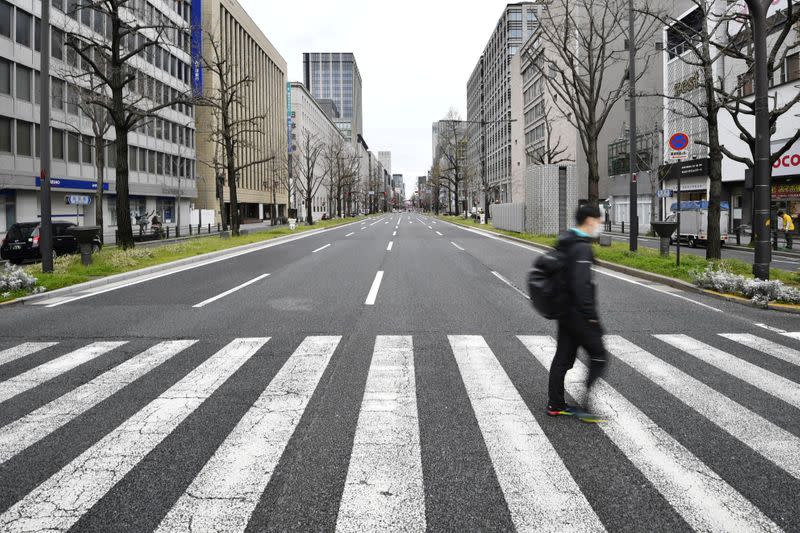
696, 492
430, 227
226, 491
59, 502
362, 229
350, 234
769, 382
373, 291
47, 371
231, 291
394, 234
439, 233
764, 346
389, 248
775, 444
23, 350
790, 334
33, 427
540, 492
321, 248
457, 246
504, 280
384, 487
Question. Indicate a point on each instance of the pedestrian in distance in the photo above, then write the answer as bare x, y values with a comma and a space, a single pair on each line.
561, 287
788, 228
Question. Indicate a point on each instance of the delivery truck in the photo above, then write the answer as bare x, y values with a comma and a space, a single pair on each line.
694, 222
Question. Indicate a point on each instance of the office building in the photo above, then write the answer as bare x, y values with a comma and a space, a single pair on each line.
489, 98
385, 158
162, 151
261, 184
335, 76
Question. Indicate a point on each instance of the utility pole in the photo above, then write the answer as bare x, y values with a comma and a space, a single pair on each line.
762, 169
633, 236
46, 223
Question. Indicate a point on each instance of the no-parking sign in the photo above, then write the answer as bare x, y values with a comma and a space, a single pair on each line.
679, 144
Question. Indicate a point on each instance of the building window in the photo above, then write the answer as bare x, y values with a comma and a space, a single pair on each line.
745, 84
793, 67
515, 15
24, 146
73, 148
5, 76
58, 144
86, 145
58, 93
57, 44
23, 83
24, 28
5, 134
5, 19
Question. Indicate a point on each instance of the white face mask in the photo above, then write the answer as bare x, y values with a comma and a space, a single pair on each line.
596, 231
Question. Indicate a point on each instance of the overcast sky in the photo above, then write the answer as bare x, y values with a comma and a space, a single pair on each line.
414, 56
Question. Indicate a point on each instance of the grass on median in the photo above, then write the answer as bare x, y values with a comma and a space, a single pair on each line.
647, 259
68, 270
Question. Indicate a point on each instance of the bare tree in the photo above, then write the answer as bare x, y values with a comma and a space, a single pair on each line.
582, 45
452, 154
308, 171
125, 31
696, 40
552, 152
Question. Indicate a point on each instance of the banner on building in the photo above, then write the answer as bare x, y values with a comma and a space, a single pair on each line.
290, 148
197, 48
789, 163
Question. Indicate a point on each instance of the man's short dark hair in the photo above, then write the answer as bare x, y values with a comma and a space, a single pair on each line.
585, 211
780, 213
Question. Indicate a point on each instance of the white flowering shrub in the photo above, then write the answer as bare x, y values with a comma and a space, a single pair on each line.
761, 292
13, 278
120, 258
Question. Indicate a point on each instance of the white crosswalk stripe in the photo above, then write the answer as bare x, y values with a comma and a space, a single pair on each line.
33, 427
225, 493
764, 437
774, 349
696, 492
23, 350
539, 490
47, 371
384, 490
769, 382
61, 500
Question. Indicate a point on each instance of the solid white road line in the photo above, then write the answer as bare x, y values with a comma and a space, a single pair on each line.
790, 334
376, 222
362, 229
775, 444
457, 246
696, 492
350, 234
321, 248
373, 291
35, 426
769, 382
231, 291
774, 349
59, 502
598, 270
394, 234
504, 280
226, 491
389, 248
439, 233
539, 490
430, 227
23, 350
47, 371
384, 488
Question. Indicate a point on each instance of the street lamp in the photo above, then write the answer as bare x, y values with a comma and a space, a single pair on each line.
46, 224
633, 235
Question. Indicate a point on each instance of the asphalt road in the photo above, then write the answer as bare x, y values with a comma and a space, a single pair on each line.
784, 262
390, 375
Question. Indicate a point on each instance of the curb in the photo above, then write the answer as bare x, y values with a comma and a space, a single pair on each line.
650, 276
125, 276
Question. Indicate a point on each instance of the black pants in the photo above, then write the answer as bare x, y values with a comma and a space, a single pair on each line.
789, 238
575, 332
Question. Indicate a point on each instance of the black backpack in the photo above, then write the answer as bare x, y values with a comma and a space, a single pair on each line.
547, 285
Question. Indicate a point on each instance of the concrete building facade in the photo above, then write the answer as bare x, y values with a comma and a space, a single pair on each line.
489, 98
335, 76
162, 152
260, 185
385, 157
308, 117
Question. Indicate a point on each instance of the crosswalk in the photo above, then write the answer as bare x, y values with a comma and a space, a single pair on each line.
386, 483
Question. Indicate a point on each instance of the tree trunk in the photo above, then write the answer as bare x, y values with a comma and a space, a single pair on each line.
100, 163
309, 214
124, 226
234, 201
713, 247
455, 198
594, 173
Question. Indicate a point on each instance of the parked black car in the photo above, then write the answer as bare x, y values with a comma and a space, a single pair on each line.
22, 242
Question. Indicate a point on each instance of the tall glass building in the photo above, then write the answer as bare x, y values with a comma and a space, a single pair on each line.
335, 76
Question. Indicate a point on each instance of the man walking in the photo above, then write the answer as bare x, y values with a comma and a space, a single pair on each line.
788, 228
579, 326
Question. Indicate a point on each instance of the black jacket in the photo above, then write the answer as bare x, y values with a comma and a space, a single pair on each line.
578, 274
